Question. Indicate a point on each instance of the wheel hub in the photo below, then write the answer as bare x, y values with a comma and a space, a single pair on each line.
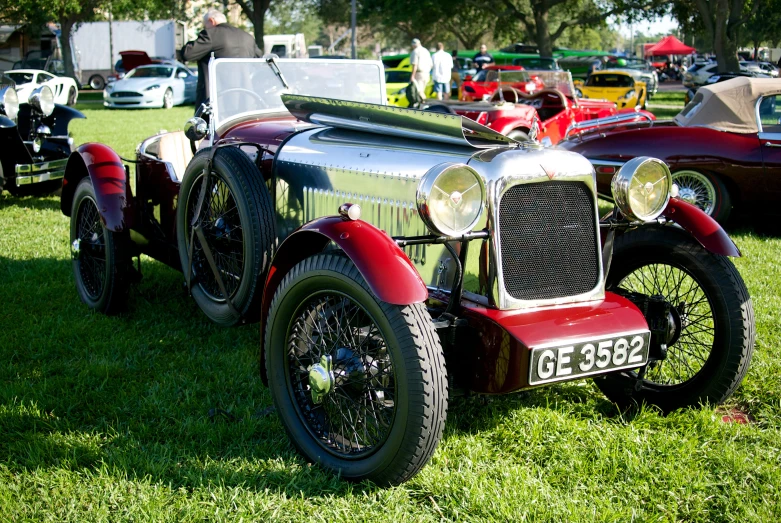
321, 379
688, 195
76, 249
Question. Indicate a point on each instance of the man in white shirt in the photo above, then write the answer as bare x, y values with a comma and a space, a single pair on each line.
420, 59
443, 68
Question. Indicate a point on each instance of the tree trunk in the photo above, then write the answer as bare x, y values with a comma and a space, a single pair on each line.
726, 48
66, 28
544, 42
258, 21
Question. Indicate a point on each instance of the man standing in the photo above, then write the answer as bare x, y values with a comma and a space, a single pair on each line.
443, 68
421, 62
221, 39
482, 58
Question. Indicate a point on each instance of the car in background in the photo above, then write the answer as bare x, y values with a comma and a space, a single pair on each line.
485, 82
156, 85
714, 79
582, 66
723, 148
397, 78
64, 88
643, 71
618, 86
537, 63
698, 73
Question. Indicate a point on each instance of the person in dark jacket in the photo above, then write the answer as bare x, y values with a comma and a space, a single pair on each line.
224, 40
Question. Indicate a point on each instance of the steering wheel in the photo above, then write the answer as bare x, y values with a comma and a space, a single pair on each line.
253, 94
496, 97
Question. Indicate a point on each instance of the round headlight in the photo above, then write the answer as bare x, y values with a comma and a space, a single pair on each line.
450, 199
10, 101
641, 188
42, 100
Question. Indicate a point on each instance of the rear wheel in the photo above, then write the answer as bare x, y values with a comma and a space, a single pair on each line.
238, 225
101, 258
705, 191
72, 94
714, 317
97, 82
359, 384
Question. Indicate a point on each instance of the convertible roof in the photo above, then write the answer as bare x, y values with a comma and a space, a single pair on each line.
728, 106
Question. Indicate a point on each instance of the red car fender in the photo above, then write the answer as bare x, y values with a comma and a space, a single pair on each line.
109, 179
705, 229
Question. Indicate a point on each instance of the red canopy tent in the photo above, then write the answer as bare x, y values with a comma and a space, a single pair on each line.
669, 45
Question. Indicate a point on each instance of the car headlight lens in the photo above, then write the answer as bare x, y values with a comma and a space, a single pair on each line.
641, 188
10, 101
42, 100
401, 91
152, 87
629, 94
450, 199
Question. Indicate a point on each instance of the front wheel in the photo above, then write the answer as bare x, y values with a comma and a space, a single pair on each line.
168, 99
359, 384
711, 310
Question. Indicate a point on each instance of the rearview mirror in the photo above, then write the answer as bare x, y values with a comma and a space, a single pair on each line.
182, 75
195, 129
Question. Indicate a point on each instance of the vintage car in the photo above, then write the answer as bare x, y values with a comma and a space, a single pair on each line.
724, 148
617, 86
156, 85
547, 115
64, 88
394, 255
485, 82
36, 144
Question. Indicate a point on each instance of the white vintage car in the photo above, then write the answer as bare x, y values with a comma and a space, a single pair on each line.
64, 88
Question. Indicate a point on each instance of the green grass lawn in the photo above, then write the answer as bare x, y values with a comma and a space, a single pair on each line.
120, 419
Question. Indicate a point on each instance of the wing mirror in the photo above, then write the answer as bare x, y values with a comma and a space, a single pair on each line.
182, 75
196, 129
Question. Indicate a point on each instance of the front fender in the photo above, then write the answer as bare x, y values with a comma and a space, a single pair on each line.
705, 229
109, 179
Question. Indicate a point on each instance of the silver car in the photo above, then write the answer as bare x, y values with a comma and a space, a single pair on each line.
154, 85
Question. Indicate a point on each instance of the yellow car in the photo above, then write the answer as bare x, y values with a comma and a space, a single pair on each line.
396, 81
617, 86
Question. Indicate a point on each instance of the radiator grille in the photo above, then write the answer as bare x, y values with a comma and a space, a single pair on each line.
125, 94
548, 240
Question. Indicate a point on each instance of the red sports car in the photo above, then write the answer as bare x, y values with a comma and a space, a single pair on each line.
724, 148
547, 114
485, 82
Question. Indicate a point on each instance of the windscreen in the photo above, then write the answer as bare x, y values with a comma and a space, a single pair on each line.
508, 77
20, 78
610, 80
150, 72
246, 87
558, 80
397, 77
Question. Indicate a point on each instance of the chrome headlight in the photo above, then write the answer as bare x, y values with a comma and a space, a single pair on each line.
641, 188
10, 102
450, 199
42, 100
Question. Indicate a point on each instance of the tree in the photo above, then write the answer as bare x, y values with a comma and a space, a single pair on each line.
764, 25
547, 20
256, 11
721, 20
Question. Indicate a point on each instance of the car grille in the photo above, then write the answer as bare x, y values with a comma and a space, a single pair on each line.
548, 240
125, 94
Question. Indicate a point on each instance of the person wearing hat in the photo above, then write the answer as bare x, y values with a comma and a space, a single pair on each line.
421, 62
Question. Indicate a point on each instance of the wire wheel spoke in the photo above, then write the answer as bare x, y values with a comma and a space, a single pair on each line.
355, 416
220, 222
92, 260
696, 189
688, 355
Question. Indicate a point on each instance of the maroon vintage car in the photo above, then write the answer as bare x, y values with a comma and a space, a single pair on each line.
547, 114
724, 148
393, 255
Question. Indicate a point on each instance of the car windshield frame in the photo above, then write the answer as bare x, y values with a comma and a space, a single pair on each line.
132, 74
557, 80
360, 81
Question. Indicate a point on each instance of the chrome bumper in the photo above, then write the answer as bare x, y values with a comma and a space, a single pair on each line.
29, 174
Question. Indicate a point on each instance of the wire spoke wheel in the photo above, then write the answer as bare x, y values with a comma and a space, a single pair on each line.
92, 261
221, 224
356, 414
696, 189
688, 355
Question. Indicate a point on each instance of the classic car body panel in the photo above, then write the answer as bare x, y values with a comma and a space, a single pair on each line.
499, 348
109, 178
705, 229
735, 158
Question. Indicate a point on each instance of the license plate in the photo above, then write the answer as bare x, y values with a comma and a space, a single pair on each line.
566, 361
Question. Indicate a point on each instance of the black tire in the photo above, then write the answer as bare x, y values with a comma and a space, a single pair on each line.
102, 267
239, 227
168, 99
72, 96
518, 135
704, 190
97, 82
710, 358
405, 349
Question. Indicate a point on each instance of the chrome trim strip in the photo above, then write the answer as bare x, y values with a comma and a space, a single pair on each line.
42, 166
40, 172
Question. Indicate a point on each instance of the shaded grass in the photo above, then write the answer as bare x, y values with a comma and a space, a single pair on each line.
669, 97
108, 419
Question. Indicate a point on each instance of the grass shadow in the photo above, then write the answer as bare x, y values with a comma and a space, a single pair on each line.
37, 203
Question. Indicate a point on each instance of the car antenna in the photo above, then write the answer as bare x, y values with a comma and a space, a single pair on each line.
275, 68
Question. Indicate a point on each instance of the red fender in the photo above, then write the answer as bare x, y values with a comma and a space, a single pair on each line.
109, 178
705, 229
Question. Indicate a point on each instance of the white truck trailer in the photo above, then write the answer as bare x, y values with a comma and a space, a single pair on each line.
96, 45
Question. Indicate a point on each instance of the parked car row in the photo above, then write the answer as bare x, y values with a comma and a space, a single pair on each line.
393, 256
